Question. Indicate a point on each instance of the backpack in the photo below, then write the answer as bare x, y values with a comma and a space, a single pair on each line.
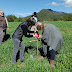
3, 22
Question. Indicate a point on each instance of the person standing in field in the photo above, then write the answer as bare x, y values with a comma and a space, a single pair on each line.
7, 27
51, 39
21, 30
3, 25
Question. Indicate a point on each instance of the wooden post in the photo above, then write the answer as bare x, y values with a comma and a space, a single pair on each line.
37, 47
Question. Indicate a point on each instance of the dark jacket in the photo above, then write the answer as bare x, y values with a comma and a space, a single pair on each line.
21, 30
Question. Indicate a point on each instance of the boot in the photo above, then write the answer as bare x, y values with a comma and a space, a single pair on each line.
51, 62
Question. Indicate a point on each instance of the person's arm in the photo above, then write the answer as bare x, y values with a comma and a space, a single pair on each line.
7, 23
30, 31
25, 30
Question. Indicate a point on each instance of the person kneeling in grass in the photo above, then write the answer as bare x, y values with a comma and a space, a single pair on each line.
21, 30
51, 39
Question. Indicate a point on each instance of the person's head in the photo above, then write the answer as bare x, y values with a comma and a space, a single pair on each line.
39, 26
31, 21
34, 14
1, 13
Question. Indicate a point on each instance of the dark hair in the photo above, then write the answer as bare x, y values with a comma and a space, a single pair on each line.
34, 13
31, 22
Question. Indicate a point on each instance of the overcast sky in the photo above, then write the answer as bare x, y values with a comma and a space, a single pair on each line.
23, 8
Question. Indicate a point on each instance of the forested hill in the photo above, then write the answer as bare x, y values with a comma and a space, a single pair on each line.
49, 15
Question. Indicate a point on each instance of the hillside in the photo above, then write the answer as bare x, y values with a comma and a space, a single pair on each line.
50, 15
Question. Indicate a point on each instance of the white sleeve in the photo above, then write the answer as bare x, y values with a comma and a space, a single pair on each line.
6, 21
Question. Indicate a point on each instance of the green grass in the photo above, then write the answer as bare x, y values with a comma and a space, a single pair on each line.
63, 60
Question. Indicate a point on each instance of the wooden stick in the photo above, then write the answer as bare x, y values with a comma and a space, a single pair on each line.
33, 41
37, 45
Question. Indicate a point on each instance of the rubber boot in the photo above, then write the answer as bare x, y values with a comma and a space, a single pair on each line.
51, 62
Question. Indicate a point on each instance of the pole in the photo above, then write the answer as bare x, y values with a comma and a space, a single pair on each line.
37, 47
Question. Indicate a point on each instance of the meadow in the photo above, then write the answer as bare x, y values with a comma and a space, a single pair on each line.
63, 60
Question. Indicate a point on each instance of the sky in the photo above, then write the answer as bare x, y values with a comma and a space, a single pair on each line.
23, 8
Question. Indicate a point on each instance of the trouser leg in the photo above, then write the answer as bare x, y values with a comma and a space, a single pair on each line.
4, 32
1, 36
52, 56
16, 43
44, 48
22, 51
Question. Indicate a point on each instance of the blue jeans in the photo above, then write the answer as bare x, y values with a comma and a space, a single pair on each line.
16, 44
52, 54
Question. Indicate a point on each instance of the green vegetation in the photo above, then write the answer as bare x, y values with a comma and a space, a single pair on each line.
63, 60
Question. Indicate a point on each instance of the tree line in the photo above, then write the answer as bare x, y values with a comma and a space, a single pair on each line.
42, 17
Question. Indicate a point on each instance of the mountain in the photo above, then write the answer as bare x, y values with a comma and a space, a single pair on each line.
50, 15
59, 12
44, 15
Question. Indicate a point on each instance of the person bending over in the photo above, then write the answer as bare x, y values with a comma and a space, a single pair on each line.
51, 39
21, 30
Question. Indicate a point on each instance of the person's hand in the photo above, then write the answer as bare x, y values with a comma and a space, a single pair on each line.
7, 28
40, 36
34, 35
35, 31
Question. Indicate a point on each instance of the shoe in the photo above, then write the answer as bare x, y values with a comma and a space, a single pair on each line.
51, 62
22, 59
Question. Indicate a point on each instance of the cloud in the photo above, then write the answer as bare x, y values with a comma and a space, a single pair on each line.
67, 3
55, 4
23, 14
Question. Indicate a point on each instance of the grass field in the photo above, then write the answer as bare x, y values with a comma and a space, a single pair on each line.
63, 60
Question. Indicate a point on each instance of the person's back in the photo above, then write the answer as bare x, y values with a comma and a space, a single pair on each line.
2, 22
18, 32
2, 26
53, 37
54, 30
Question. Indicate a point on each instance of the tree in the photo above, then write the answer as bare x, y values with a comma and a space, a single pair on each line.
11, 18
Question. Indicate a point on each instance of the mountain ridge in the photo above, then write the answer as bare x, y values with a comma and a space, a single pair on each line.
51, 15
